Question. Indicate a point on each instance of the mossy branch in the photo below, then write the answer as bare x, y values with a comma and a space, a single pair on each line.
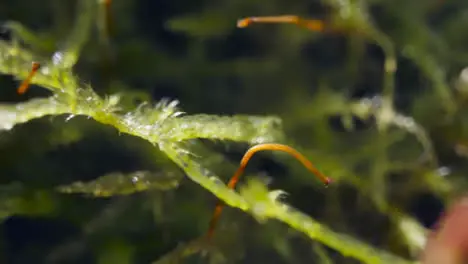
387, 116
116, 183
164, 125
263, 205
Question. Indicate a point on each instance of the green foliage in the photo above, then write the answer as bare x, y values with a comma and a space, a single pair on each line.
122, 184
357, 159
165, 126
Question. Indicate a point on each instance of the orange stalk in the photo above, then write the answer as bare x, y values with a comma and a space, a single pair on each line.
311, 24
26, 83
107, 3
243, 164
108, 16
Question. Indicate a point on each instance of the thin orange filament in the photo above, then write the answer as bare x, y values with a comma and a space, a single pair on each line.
311, 24
243, 164
108, 16
26, 83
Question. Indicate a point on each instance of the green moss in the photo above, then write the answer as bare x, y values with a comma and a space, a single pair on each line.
172, 132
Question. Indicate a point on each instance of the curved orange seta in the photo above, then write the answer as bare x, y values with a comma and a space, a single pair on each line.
26, 83
243, 164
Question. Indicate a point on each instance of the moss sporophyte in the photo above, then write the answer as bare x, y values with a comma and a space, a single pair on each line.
243, 164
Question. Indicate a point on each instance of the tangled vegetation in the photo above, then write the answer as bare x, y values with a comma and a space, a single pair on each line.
381, 153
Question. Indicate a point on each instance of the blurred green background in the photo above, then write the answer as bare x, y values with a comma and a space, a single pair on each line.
192, 51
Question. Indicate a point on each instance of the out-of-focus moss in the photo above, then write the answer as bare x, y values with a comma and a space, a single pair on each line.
384, 118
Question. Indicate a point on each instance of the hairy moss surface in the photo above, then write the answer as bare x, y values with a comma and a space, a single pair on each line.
101, 156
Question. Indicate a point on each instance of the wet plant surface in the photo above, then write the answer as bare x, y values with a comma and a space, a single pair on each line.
122, 123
